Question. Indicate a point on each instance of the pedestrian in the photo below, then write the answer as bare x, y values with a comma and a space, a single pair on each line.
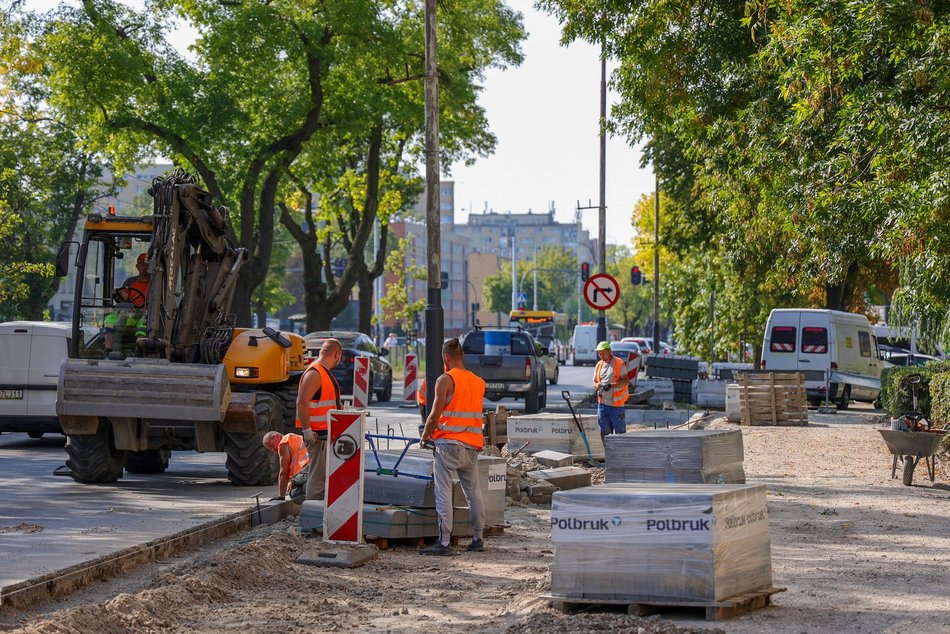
421, 401
611, 383
293, 457
318, 393
454, 427
391, 341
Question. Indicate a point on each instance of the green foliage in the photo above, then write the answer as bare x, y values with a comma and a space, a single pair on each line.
804, 146
395, 302
896, 391
940, 398
15, 273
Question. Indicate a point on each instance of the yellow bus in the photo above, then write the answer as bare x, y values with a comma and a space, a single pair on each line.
542, 326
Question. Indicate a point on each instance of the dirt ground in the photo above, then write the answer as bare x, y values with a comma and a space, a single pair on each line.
856, 550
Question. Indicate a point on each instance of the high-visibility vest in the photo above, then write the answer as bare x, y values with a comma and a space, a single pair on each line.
462, 418
327, 396
421, 393
298, 452
620, 372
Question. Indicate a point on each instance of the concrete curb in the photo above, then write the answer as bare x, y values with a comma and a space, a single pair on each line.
67, 580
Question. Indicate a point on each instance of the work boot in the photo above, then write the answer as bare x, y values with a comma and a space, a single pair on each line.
437, 549
477, 546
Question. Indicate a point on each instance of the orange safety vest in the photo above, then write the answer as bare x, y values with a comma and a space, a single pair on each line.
328, 399
620, 372
298, 452
142, 287
461, 419
421, 393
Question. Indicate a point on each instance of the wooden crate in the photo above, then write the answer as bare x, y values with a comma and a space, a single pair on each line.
495, 427
772, 398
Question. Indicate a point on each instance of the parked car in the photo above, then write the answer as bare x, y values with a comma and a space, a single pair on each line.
906, 359
511, 364
551, 365
356, 344
30, 355
630, 353
645, 343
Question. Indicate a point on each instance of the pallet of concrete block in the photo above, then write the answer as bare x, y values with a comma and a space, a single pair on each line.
495, 427
673, 366
660, 543
772, 398
709, 393
662, 389
682, 390
675, 456
391, 521
726, 371
550, 431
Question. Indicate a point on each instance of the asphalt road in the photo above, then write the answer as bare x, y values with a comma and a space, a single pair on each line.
50, 522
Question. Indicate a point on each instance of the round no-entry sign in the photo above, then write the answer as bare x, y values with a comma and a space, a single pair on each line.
601, 291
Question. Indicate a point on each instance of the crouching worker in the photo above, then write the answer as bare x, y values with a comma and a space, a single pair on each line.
293, 457
454, 427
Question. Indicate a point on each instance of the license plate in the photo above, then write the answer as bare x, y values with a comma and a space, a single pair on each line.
11, 395
494, 386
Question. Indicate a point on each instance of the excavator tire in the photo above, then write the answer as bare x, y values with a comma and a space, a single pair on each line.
93, 458
249, 463
148, 461
288, 396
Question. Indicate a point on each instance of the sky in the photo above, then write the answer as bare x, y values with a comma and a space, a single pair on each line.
544, 114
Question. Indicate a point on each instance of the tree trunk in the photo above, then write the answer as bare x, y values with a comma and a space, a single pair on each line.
840, 296
366, 303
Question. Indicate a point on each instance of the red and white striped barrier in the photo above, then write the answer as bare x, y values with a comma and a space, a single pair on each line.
360, 382
343, 517
412, 382
632, 366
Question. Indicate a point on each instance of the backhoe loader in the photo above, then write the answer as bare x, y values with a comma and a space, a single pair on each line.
166, 369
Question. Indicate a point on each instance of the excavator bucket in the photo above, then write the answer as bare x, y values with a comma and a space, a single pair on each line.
143, 388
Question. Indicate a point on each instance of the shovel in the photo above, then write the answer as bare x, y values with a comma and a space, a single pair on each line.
590, 457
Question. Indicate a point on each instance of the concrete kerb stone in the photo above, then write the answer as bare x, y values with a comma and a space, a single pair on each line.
554, 459
62, 582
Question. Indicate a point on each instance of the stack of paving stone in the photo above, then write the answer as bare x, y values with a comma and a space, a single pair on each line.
667, 542
555, 432
682, 370
676, 456
399, 500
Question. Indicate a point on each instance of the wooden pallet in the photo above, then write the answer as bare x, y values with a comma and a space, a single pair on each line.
495, 427
384, 543
715, 610
773, 398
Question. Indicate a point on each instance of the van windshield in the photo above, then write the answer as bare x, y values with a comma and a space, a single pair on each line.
814, 340
783, 339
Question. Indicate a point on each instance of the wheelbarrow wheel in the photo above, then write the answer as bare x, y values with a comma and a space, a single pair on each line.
908, 470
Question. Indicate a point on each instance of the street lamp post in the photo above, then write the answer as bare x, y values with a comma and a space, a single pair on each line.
434, 316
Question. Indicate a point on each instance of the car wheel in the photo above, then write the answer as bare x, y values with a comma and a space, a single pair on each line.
532, 402
557, 373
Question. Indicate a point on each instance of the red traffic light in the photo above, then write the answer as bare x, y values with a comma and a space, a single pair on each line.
636, 275
585, 271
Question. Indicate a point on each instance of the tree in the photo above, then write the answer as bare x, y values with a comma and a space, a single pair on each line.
395, 303
48, 179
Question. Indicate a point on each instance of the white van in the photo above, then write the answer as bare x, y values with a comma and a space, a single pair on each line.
30, 355
585, 342
836, 351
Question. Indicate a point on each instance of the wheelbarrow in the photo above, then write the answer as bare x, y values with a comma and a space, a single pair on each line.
910, 447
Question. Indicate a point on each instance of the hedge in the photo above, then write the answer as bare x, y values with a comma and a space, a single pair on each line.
940, 399
895, 390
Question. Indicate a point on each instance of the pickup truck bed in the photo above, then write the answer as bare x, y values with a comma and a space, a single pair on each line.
508, 362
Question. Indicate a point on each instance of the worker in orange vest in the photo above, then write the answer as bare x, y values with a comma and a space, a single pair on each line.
421, 400
610, 381
454, 427
318, 393
293, 457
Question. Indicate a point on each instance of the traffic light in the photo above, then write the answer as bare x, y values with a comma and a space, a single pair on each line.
445, 279
636, 275
585, 271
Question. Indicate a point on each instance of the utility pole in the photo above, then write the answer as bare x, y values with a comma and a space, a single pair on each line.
377, 288
434, 316
514, 269
535, 278
656, 264
602, 228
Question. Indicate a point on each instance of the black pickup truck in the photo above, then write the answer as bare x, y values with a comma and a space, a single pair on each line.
510, 363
